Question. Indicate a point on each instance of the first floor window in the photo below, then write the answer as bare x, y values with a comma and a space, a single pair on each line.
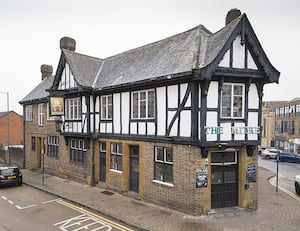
106, 107
163, 164
116, 156
29, 113
232, 101
40, 114
73, 108
53, 145
78, 151
143, 104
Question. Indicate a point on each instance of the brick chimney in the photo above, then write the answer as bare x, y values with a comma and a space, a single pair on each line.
68, 44
46, 71
231, 15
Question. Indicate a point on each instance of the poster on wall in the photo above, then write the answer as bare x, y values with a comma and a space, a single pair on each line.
201, 177
56, 106
251, 173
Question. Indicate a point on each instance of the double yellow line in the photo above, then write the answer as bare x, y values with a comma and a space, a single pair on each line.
86, 212
273, 182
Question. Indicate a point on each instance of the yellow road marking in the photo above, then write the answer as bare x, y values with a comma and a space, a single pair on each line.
273, 182
79, 209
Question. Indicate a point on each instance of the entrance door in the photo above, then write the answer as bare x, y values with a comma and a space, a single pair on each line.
134, 168
102, 161
224, 186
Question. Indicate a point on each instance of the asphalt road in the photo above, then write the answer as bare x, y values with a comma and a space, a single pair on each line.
286, 173
26, 208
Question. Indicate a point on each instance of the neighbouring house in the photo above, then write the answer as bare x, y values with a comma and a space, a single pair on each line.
176, 122
14, 135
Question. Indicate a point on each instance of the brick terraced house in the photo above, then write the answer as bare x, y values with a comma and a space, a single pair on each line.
175, 122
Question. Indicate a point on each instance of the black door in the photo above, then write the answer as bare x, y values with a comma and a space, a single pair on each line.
224, 186
134, 168
102, 166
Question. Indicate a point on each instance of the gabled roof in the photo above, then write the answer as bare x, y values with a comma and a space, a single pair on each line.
83, 67
5, 113
195, 49
39, 92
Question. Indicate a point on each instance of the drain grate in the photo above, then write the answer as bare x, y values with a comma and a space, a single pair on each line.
107, 192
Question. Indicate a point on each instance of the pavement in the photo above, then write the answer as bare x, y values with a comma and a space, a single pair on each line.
276, 210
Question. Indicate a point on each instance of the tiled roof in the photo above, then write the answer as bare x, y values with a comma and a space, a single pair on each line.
39, 92
84, 68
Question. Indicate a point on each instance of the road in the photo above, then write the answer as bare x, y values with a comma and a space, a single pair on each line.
26, 208
286, 172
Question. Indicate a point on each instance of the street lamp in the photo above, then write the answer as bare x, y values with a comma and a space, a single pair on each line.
8, 125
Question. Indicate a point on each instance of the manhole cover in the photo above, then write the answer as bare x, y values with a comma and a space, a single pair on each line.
107, 192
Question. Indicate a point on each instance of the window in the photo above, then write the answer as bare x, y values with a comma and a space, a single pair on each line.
232, 101
143, 104
288, 127
29, 114
163, 164
106, 107
33, 143
116, 156
298, 110
48, 113
40, 114
78, 151
73, 109
53, 145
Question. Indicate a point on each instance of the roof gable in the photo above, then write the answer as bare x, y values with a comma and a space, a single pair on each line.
222, 42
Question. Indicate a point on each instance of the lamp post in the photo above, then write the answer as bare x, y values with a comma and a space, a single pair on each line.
8, 126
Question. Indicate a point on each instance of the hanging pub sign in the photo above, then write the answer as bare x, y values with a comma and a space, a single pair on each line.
201, 177
251, 173
57, 106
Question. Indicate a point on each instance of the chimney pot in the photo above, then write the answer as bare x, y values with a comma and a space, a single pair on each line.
68, 44
46, 71
231, 15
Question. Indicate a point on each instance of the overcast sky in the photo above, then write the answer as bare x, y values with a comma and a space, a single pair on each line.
30, 31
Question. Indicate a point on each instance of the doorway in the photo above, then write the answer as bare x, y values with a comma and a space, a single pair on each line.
224, 180
134, 168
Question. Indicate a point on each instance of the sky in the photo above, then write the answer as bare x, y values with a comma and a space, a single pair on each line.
30, 31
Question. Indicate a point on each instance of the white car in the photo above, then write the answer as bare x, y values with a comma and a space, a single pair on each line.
270, 153
297, 184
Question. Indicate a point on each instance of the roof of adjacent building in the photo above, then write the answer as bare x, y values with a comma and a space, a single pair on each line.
39, 92
5, 113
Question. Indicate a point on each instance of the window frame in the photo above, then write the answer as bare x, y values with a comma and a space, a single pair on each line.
73, 109
107, 107
163, 165
53, 146
29, 113
233, 96
40, 114
138, 103
78, 151
116, 155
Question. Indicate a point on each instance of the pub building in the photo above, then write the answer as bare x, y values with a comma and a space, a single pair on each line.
176, 122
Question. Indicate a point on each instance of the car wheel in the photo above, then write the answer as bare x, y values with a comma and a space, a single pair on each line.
297, 188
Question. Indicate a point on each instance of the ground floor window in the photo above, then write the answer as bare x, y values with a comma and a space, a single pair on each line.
33, 143
78, 151
163, 164
116, 156
53, 146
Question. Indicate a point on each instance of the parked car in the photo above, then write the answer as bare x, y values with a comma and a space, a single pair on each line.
289, 157
297, 184
10, 175
270, 153
261, 149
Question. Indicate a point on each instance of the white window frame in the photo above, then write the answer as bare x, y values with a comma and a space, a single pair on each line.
29, 113
232, 101
117, 153
73, 109
106, 107
40, 114
138, 106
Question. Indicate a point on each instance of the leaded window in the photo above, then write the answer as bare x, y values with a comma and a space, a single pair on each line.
53, 146
232, 101
73, 108
143, 103
78, 151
